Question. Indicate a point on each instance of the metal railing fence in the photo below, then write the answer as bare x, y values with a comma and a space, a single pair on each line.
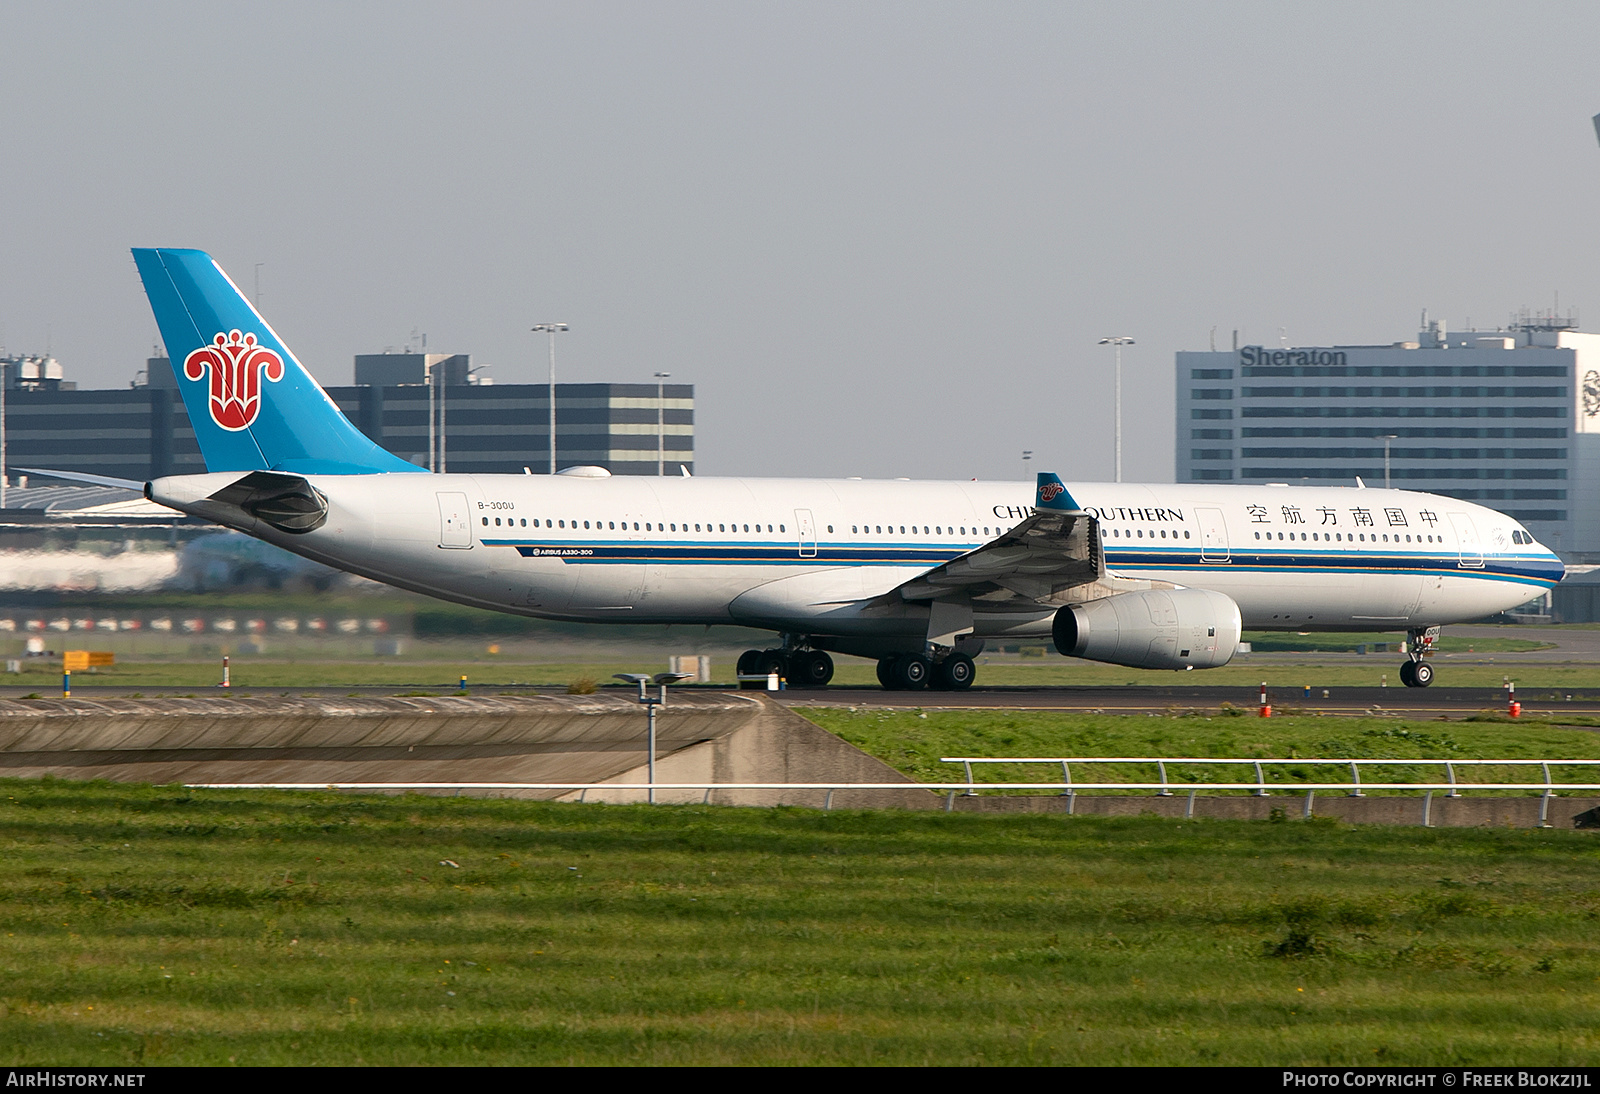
1066, 787
1355, 787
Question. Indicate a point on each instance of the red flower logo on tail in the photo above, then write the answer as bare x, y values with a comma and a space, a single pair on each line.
237, 364
1050, 491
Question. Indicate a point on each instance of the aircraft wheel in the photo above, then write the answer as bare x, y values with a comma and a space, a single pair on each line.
811, 669
912, 673
749, 663
773, 661
1421, 674
886, 672
1408, 671
955, 673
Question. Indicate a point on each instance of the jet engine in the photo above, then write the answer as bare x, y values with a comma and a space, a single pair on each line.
1155, 629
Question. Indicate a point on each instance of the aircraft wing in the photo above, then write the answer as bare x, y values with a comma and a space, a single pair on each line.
1053, 558
1050, 552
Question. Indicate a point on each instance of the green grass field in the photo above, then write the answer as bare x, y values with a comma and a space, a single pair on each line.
156, 926
484, 671
914, 741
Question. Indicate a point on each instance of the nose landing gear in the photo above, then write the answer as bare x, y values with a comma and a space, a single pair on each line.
1417, 673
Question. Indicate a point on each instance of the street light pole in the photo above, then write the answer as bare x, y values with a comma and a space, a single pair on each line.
552, 329
4, 368
650, 702
1386, 439
4, 472
1117, 343
661, 423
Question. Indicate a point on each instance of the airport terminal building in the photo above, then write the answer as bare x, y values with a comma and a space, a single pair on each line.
1509, 419
427, 408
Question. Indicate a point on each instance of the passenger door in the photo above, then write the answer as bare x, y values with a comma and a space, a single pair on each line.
807, 529
1467, 542
455, 521
1213, 535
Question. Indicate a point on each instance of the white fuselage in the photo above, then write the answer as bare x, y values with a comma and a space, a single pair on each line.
804, 555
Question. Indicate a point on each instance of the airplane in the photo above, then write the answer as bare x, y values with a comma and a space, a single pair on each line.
915, 575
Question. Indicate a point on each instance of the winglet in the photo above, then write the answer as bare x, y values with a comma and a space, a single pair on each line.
1053, 494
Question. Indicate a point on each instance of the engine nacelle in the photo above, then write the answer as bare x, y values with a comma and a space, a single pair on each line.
1155, 629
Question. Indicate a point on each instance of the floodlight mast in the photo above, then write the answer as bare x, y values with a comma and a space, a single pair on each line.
1387, 439
552, 329
1117, 343
661, 423
650, 702
4, 378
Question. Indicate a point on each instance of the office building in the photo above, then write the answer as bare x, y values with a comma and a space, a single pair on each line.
1507, 418
431, 409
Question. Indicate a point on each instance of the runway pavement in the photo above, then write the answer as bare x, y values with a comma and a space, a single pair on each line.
1571, 646
1132, 699
1412, 702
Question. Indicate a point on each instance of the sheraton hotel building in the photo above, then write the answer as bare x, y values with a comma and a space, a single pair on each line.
1509, 419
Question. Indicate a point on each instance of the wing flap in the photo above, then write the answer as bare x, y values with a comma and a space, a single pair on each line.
1046, 555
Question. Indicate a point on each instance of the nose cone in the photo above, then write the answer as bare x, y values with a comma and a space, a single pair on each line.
1544, 566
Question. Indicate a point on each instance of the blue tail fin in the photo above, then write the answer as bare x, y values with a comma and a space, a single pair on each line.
253, 406
1052, 493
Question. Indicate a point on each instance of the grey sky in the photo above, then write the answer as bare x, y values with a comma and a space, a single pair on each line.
882, 239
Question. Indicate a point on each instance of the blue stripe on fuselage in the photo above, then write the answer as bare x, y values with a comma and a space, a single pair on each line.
1532, 569
733, 554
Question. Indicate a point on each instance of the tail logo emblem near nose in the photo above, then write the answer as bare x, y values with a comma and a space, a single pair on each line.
237, 364
1050, 491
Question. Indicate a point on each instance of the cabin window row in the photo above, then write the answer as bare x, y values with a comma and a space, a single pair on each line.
649, 526
1353, 537
935, 530
611, 525
1139, 533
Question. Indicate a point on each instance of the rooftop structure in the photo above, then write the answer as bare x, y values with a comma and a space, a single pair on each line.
33, 372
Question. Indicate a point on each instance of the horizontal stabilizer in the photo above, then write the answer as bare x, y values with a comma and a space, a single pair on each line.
79, 476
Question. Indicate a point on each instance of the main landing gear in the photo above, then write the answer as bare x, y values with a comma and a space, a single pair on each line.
909, 672
900, 672
801, 668
1415, 672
